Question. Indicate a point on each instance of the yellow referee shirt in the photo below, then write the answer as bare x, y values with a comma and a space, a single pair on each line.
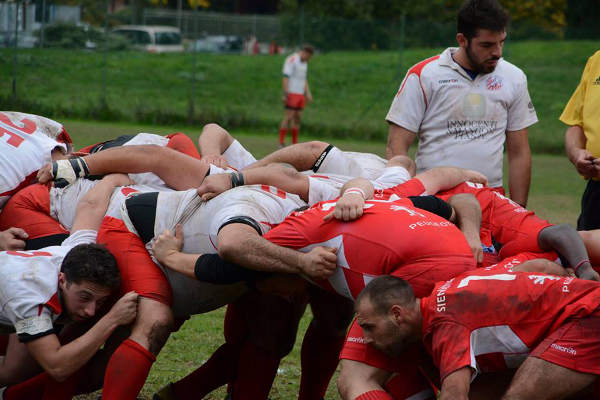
583, 108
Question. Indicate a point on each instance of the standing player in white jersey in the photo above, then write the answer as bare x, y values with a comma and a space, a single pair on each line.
61, 285
296, 92
466, 103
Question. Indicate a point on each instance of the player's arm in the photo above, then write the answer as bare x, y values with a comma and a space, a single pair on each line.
213, 142
351, 203
178, 170
13, 239
582, 159
443, 178
468, 219
307, 92
203, 267
282, 177
240, 243
565, 240
456, 385
92, 207
541, 265
284, 87
519, 165
62, 361
399, 141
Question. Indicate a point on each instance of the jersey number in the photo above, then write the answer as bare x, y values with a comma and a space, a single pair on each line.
7, 127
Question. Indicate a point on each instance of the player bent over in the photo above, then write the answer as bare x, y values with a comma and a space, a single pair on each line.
549, 327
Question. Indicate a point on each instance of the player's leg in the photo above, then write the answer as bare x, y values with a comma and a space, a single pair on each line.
302, 156
357, 378
403, 161
285, 123
540, 379
296, 125
323, 341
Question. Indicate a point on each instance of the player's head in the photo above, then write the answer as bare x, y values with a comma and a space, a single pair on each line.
306, 52
88, 276
389, 314
481, 31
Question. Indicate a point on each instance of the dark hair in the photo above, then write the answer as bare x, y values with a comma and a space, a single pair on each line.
385, 291
481, 14
93, 263
308, 48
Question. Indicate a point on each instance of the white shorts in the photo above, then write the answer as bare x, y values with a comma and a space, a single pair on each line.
237, 156
363, 165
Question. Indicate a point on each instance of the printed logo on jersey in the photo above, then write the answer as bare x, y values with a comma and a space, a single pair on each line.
16, 130
447, 81
540, 279
354, 339
471, 124
494, 82
440, 296
568, 350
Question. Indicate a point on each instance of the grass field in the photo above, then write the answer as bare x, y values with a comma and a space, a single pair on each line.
352, 90
555, 194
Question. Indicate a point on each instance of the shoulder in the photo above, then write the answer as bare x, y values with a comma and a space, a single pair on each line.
425, 67
511, 71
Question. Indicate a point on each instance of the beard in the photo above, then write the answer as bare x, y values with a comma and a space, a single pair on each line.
401, 340
480, 66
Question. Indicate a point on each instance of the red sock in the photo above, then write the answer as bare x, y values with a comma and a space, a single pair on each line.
319, 360
127, 371
216, 372
374, 395
295, 132
256, 372
31, 389
282, 133
64, 390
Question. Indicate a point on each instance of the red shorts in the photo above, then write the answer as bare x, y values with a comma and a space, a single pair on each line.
138, 271
574, 345
29, 209
295, 101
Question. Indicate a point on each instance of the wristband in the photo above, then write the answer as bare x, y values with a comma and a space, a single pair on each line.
65, 172
237, 179
579, 264
356, 190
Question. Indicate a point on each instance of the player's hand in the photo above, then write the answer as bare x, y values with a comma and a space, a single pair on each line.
475, 245
347, 208
585, 163
13, 239
44, 175
309, 98
587, 272
214, 185
216, 160
319, 263
476, 177
165, 244
125, 310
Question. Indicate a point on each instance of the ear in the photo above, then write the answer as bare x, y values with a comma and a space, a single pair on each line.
62, 280
462, 40
397, 313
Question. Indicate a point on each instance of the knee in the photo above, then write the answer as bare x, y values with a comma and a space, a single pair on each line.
405, 162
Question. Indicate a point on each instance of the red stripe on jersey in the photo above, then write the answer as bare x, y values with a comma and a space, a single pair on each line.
27, 255
319, 176
417, 69
53, 304
64, 137
29, 179
273, 190
127, 191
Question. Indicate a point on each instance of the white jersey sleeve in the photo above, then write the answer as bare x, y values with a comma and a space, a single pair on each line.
521, 112
409, 105
83, 236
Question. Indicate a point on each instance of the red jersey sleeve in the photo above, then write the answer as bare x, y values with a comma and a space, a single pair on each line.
450, 348
413, 187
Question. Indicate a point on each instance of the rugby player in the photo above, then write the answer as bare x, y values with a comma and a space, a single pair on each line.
68, 284
484, 321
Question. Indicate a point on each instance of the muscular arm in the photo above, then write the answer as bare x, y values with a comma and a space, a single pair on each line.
456, 385
62, 361
178, 170
468, 218
519, 165
214, 140
442, 178
399, 140
582, 159
92, 207
241, 244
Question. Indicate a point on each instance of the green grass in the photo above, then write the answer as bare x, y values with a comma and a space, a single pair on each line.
555, 194
352, 90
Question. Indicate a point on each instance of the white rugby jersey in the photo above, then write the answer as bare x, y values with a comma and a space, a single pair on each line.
26, 144
63, 201
460, 121
295, 70
29, 285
